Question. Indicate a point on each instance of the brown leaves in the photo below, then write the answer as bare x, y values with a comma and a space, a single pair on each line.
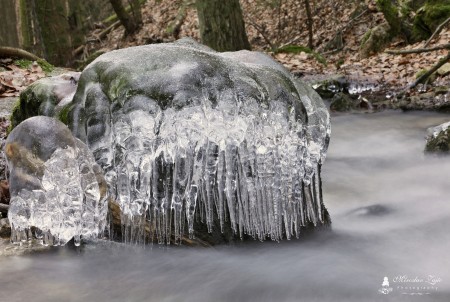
14, 79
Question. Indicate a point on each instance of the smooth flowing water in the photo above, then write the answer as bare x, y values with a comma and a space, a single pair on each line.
391, 218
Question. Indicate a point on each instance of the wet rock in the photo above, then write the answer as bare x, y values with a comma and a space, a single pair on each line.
438, 139
375, 40
342, 102
5, 228
435, 99
328, 86
444, 70
46, 97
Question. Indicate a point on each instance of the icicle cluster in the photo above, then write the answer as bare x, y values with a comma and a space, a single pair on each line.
54, 186
250, 164
186, 135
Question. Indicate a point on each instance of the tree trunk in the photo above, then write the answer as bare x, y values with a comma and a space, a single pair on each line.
221, 25
136, 11
310, 25
8, 30
130, 23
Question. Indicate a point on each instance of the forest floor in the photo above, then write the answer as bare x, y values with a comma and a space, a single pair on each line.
339, 27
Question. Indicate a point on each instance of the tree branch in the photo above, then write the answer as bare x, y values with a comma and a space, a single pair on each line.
431, 71
437, 31
17, 52
417, 50
100, 36
310, 24
262, 33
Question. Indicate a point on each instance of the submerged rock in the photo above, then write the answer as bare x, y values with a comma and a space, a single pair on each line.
195, 142
375, 210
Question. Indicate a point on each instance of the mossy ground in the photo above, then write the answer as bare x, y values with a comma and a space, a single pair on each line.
429, 17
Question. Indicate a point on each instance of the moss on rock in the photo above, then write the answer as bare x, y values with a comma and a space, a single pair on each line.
429, 17
375, 39
439, 143
47, 96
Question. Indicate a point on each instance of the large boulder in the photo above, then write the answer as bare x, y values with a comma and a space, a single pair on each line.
203, 144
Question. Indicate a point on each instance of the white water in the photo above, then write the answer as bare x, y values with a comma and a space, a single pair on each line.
372, 160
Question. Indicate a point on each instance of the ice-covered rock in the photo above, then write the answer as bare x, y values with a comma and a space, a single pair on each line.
438, 139
54, 184
47, 96
186, 134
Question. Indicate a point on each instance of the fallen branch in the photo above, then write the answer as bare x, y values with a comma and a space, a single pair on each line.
337, 38
350, 22
417, 50
437, 31
17, 52
340, 31
4, 208
423, 77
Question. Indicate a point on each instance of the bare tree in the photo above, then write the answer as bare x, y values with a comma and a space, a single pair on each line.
222, 25
310, 24
131, 22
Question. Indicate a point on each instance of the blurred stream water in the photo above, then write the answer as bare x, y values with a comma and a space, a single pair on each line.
390, 206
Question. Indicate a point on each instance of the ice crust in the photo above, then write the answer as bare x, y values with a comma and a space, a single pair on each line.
53, 184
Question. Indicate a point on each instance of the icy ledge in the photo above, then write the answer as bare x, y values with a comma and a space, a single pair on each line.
187, 136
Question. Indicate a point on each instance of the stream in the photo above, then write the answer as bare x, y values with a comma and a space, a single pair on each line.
390, 210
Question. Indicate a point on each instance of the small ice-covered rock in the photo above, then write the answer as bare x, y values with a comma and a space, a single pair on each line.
433, 132
438, 139
53, 184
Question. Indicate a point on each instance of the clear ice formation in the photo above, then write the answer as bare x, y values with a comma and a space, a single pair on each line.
186, 134
54, 185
